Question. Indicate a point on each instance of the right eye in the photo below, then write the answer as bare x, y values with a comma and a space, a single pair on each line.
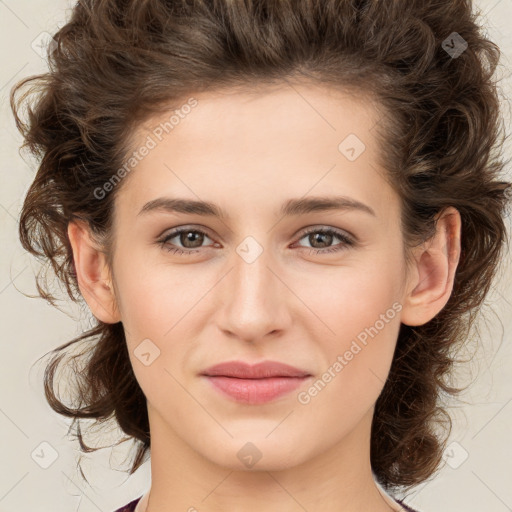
183, 236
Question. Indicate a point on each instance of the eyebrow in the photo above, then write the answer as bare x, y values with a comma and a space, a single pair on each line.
291, 207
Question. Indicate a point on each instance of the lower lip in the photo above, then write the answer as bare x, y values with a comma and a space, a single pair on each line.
255, 391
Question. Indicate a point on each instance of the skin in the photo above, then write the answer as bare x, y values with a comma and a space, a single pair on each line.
249, 153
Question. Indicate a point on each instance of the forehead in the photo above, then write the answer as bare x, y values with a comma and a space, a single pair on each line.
278, 142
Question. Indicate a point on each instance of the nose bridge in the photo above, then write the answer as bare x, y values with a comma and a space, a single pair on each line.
251, 277
254, 299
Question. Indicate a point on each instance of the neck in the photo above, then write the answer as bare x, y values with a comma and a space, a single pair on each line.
337, 480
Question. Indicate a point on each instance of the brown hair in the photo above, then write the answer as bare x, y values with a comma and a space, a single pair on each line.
118, 62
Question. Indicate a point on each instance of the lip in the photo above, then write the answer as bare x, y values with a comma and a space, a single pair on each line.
255, 384
265, 369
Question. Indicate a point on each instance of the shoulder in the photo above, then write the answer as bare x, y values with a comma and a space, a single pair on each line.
130, 507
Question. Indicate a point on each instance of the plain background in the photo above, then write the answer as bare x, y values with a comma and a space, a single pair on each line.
476, 476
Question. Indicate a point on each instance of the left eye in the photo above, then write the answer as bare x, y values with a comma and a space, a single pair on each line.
325, 236
192, 240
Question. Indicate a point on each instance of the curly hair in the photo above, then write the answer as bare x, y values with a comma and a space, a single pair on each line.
116, 63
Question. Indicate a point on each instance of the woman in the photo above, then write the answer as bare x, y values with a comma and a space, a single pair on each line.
283, 217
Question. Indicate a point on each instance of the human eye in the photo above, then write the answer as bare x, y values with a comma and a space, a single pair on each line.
189, 242
326, 236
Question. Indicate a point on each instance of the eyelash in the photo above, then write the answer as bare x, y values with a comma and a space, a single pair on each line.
346, 241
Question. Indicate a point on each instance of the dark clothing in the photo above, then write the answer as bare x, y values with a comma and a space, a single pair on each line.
131, 506
409, 509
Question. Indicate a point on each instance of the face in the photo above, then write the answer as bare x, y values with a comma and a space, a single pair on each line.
318, 288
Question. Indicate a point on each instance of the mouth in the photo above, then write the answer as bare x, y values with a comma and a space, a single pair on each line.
255, 384
255, 391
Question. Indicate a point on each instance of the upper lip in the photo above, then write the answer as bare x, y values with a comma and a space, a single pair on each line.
265, 369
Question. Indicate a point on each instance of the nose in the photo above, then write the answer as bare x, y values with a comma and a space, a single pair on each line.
255, 298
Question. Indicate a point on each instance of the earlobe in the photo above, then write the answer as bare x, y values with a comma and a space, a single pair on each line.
435, 265
92, 273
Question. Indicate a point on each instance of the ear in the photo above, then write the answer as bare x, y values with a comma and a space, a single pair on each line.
93, 274
431, 278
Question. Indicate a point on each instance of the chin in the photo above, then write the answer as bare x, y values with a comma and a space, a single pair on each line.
258, 454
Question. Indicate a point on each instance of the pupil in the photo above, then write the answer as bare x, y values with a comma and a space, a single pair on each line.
189, 237
319, 236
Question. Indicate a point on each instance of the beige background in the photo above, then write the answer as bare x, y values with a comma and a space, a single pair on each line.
30, 328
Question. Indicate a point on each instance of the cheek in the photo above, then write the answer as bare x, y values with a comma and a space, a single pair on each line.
151, 298
359, 308
156, 303
351, 298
